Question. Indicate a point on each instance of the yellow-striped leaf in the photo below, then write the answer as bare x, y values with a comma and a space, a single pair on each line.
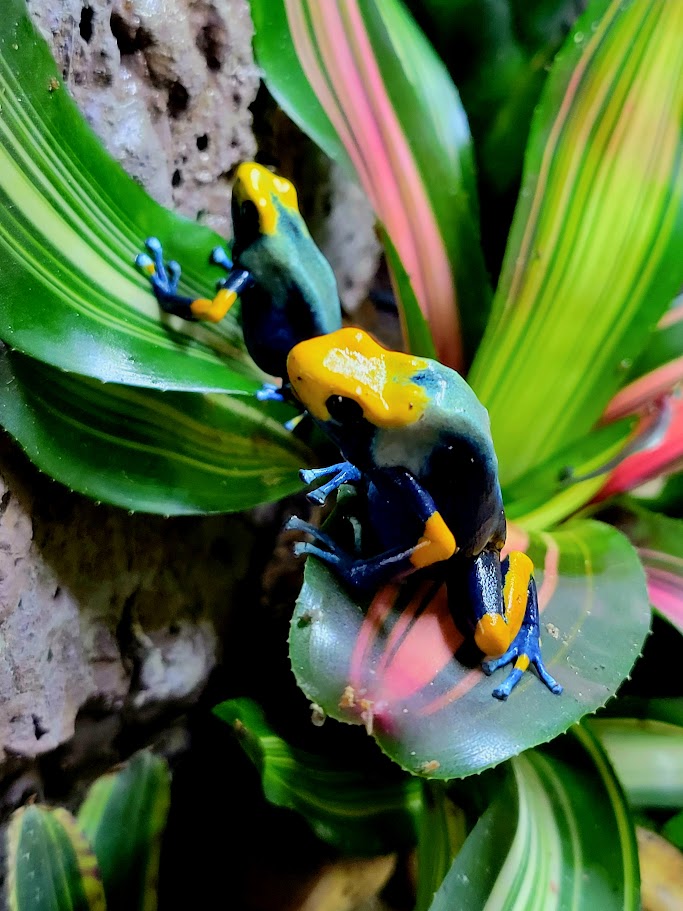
50, 865
594, 257
124, 815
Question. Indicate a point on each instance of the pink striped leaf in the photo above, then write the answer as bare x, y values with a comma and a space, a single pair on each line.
658, 370
659, 542
594, 256
362, 80
657, 460
397, 663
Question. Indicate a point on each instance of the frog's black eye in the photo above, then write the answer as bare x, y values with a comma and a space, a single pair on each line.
343, 410
249, 220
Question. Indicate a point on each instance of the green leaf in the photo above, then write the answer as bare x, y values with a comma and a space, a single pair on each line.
399, 665
593, 259
124, 815
559, 836
378, 85
50, 866
351, 808
673, 830
647, 756
416, 330
171, 453
71, 224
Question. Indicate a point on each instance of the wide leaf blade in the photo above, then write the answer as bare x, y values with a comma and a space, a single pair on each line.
171, 453
396, 113
50, 865
352, 809
593, 259
397, 663
71, 224
124, 815
558, 837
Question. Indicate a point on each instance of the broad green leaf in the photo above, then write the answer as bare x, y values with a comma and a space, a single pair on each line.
50, 865
647, 756
593, 259
441, 834
170, 453
71, 224
667, 499
659, 542
398, 664
351, 808
558, 836
124, 815
416, 330
393, 108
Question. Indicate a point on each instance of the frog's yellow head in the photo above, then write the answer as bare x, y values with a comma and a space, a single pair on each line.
259, 187
330, 372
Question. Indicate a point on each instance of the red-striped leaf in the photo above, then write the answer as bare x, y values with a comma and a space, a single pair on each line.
361, 78
399, 665
659, 542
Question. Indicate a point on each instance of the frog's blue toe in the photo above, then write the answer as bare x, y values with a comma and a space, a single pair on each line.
219, 257
343, 473
269, 392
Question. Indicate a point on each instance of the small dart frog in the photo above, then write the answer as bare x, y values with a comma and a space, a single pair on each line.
417, 440
287, 287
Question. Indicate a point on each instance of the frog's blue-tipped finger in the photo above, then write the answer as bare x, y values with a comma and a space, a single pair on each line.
308, 475
294, 422
174, 272
154, 246
270, 393
503, 691
219, 257
144, 263
304, 549
297, 524
549, 680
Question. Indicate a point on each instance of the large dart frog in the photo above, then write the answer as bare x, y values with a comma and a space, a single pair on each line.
416, 439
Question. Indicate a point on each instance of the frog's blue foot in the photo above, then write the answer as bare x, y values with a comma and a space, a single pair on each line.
344, 473
269, 392
359, 575
164, 278
219, 257
524, 651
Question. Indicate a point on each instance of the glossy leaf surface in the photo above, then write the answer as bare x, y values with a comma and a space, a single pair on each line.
169, 453
50, 865
123, 816
593, 259
399, 665
383, 96
537, 846
71, 224
352, 809
647, 756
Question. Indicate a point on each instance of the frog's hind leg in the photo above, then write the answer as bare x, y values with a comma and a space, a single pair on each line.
343, 473
509, 627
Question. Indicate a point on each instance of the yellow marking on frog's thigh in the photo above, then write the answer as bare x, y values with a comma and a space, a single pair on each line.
436, 544
515, 590
492, 634
214, 310
262, 187
350, 363
522, 663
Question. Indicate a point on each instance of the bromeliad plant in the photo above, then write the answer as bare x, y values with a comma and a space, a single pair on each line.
576, 356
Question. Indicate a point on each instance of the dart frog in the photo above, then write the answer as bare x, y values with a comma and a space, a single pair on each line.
416, 439
286, 285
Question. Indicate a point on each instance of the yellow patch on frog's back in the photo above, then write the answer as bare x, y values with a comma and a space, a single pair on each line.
259, 185
350, 363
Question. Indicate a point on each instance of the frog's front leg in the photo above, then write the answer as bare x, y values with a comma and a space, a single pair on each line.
344, 473
435, 543
506, 615
164, 278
